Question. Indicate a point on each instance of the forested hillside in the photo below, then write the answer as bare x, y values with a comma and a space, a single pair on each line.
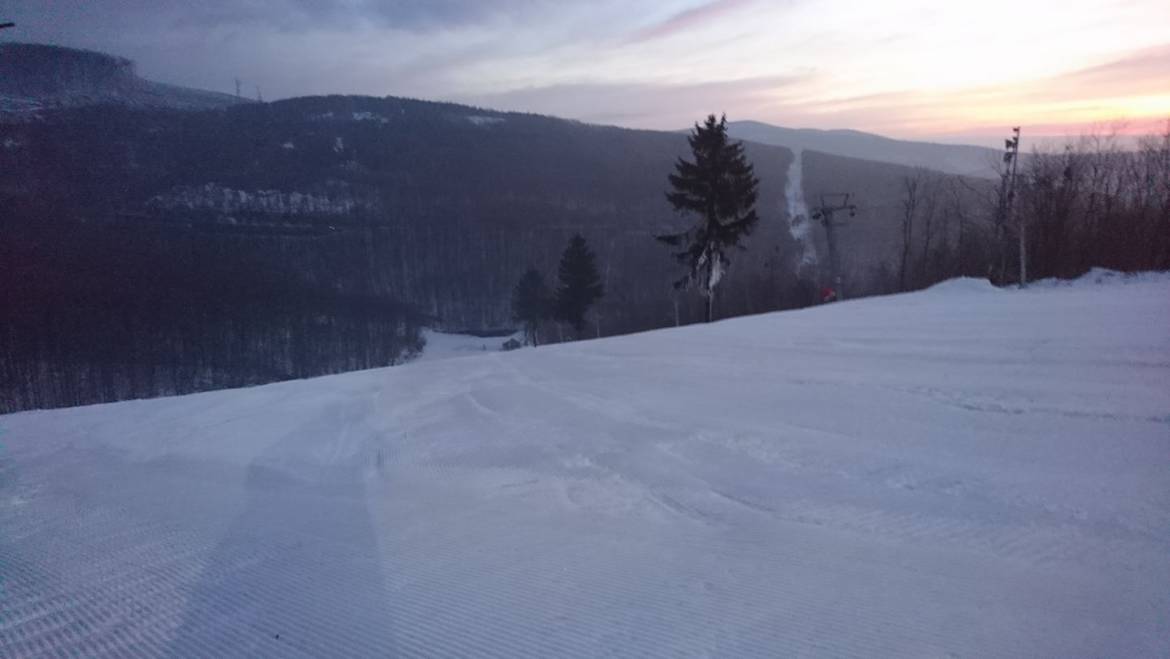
159, 238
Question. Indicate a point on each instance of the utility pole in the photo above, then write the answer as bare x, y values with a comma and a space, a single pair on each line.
237, 87
1011, 157
830, 204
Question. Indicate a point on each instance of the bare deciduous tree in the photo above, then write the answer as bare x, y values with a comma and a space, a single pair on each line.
910, 200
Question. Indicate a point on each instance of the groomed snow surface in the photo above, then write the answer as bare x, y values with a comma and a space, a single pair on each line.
443, 345
961, 472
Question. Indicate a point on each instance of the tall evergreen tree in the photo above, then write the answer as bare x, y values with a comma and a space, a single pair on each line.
580, 284
531, 304
720, 187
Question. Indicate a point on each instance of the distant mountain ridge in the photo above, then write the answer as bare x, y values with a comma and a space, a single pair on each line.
960, 159
36, 77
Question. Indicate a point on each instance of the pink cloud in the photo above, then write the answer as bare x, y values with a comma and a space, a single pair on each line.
1144, 71
688, 19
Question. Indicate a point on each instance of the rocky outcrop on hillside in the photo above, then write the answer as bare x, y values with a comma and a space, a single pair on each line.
35, 78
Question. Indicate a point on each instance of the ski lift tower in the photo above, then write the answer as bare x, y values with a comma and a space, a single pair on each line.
1011, 159
827, 215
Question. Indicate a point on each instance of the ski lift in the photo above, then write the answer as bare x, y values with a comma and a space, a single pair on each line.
831, 204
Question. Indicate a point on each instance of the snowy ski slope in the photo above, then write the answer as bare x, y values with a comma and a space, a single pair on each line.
961, 472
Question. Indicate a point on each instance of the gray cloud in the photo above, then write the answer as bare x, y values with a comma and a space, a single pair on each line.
288, 47
410, 15
283, 15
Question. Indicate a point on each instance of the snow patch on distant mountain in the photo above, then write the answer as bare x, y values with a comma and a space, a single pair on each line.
349, 116
370, 116
214, 197
480, 120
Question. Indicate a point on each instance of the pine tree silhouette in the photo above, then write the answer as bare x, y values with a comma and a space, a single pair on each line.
531, 304
580, 284
721, 188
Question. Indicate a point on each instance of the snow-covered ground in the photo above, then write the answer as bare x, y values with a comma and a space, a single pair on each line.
444, 345
961, 472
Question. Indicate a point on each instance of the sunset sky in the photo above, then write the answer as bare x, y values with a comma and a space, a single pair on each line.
948, 71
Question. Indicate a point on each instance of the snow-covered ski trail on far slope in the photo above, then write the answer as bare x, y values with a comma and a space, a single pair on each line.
962, 472
799, 218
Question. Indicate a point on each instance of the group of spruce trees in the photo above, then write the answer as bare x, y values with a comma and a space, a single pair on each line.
719, 187
579, 287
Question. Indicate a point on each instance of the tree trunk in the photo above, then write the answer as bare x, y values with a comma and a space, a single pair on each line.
710, 289
909, 208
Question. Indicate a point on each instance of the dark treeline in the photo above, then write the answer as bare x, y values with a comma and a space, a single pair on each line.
1092, 202
946, 228
96, 313
1097, 203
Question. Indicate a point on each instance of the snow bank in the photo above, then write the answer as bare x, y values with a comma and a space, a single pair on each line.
962, 286
1094, 278
1104, 276
931, 474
